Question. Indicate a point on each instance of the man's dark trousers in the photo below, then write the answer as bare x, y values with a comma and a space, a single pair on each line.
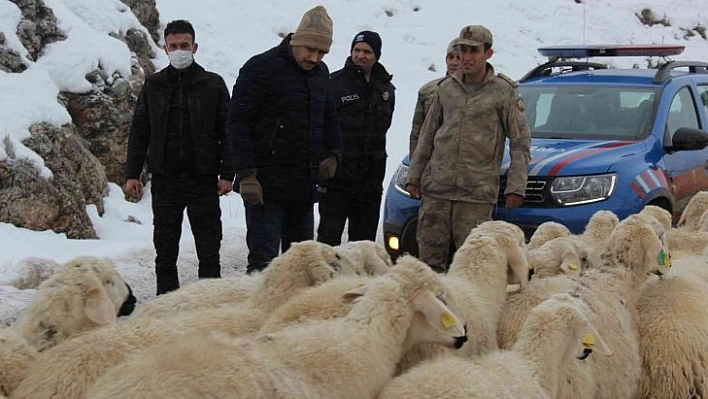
171, 195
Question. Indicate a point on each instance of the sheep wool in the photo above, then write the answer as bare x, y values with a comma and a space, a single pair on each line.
350, 357
84, 294
555, 334
87, 357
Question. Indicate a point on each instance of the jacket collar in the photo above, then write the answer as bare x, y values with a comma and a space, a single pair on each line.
378, 71
168, 73
285, 51
457, 76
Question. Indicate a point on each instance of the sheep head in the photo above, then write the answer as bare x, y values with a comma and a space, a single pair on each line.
415, 286
560, 255
315, 262
510, 238
547, 231
638, 244
696, 207
601, 225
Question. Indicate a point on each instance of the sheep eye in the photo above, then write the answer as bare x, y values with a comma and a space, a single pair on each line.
441, 297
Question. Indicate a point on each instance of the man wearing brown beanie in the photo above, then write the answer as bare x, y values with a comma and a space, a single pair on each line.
365, 101
284, 137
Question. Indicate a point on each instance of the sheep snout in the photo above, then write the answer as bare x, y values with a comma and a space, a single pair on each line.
129, 304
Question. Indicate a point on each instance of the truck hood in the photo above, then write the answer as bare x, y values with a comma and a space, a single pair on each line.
554, 157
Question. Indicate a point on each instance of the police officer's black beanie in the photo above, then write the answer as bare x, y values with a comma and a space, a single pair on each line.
371, 38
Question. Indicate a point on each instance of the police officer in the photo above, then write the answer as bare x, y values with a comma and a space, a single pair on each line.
472, 115
365, 101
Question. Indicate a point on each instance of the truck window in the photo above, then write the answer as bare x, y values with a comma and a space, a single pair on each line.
682, 112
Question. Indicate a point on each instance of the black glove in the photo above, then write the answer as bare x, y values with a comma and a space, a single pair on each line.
251, 190
328, 167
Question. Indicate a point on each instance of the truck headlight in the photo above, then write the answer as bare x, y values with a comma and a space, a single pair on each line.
399, 179
575, 190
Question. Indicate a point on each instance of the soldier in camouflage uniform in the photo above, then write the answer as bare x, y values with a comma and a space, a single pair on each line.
427, 92
457, 161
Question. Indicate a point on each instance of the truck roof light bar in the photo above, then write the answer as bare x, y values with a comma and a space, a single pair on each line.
613, 50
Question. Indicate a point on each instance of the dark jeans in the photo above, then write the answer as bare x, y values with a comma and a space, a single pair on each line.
361, 209
272, 227
170, 197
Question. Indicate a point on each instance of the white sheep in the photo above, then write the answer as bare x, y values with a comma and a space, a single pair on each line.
547, 231
478, 276
475, 283
691, 215
633, 250
673, 331
596, 234
85, 358
322, 302
366, 257
683, 241
202, 294
703, 222
355, 258
555, 334
350, 357
559, 255
85, 293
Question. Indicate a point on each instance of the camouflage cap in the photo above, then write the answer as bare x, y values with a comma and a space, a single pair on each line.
451, 48
474, 35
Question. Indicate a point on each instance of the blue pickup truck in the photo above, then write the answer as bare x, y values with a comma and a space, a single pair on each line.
602, 138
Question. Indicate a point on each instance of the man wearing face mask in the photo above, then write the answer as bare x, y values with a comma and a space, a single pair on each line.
179, 129
284, 137
365, 101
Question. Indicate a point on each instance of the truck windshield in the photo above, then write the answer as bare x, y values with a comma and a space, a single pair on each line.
589, 112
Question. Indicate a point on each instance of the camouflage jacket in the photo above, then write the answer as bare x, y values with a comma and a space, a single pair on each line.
425, 99
459, 153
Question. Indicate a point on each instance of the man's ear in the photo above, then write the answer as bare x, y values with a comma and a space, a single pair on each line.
164, 47
490, 53
194, 48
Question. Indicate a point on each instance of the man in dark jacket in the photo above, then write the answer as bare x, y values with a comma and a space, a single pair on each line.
365, 100
284, 136
179, 126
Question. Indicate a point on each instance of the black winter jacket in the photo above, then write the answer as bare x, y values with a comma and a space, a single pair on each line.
365, 110
281, 124
207, 100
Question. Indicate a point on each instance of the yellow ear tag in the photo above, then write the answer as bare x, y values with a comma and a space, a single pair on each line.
573, 266
448, 320
588, 340
664, 259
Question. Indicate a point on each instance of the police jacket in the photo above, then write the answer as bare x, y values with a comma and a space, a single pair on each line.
365, 110
205, 98
281, 124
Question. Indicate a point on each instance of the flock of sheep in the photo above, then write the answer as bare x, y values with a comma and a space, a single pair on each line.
619, 311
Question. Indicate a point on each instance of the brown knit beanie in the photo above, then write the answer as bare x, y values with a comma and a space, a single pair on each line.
314, 31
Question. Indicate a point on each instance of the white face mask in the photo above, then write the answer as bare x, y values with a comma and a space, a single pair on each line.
180, 59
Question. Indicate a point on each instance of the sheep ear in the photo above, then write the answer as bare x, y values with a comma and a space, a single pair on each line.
99, 308
376, 266
571, 268
437, 314
517, 260
589, 340
351, 295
